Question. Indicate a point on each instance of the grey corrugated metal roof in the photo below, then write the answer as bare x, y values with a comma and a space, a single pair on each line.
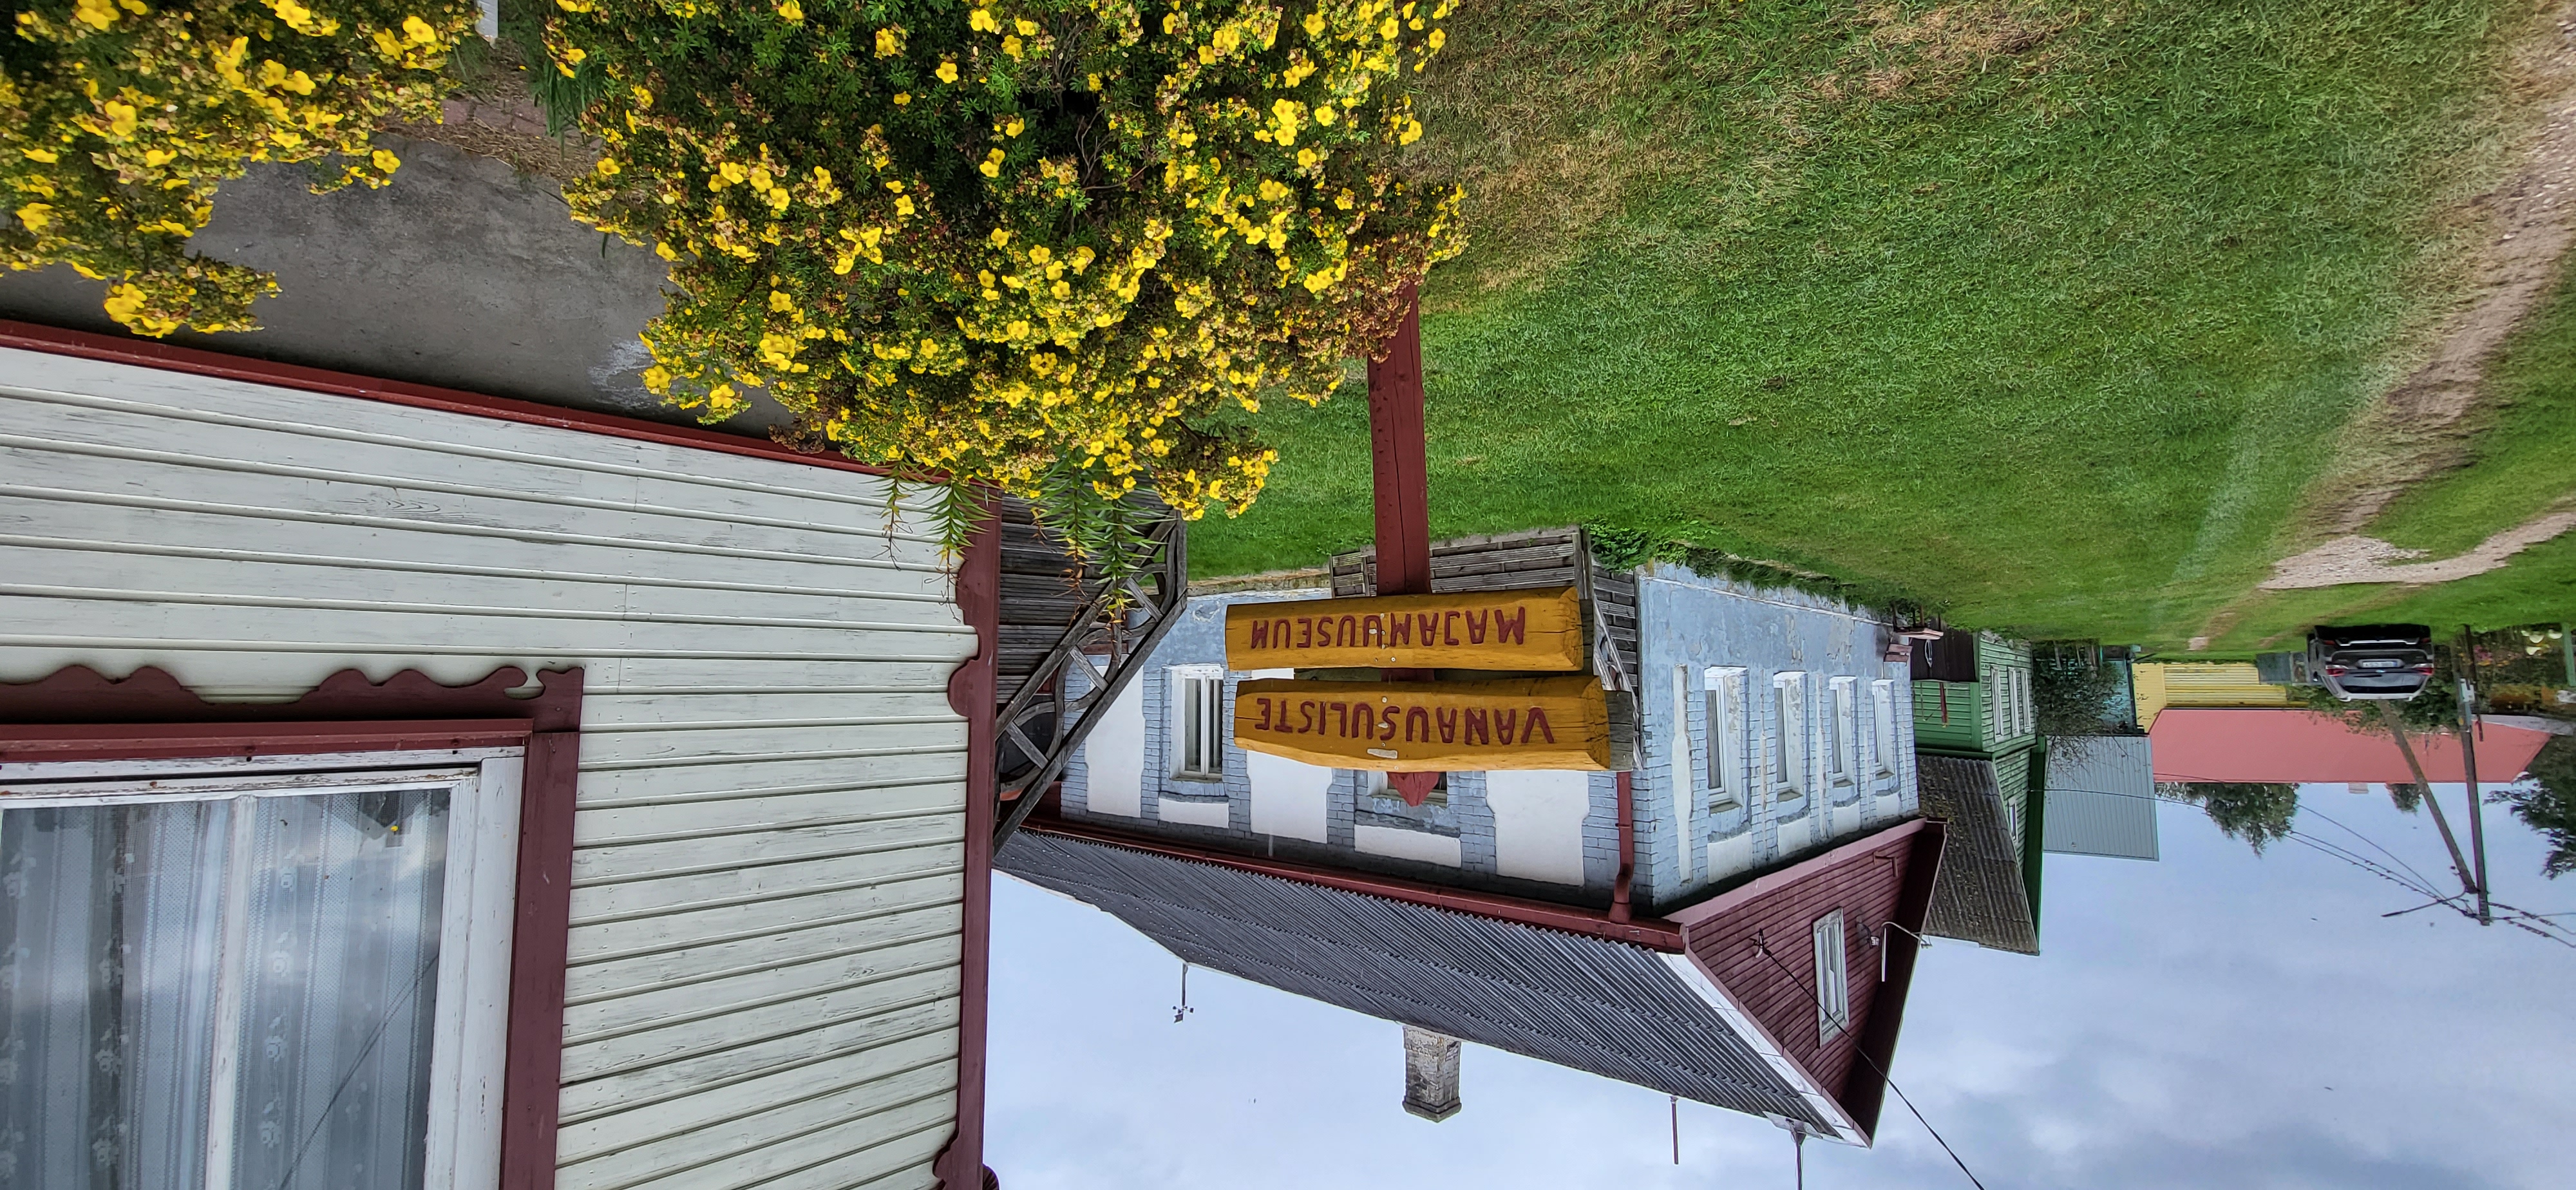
1605, 1007
2101, 797
1978, 896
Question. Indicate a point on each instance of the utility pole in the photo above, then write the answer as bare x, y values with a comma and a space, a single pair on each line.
2459, 862
2466, 663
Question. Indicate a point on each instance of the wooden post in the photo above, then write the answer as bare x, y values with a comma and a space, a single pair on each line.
2468, 663
1398, 461
1397, 456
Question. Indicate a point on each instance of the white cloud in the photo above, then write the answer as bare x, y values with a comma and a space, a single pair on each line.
2181, 1029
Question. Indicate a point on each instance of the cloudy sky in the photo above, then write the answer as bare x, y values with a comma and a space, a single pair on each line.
2213, 1020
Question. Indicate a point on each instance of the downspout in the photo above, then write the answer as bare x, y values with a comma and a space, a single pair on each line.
1619, 909
972, 693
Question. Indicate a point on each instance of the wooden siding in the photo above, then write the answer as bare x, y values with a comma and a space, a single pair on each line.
1867, 885
763, 979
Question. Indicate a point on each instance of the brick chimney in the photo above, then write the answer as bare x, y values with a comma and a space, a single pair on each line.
1430, 1074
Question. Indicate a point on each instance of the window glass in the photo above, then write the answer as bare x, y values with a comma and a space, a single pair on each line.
1833, 991
1728, 735
228, 991
1882, 715
1790, 757
1843, 741
1197, 712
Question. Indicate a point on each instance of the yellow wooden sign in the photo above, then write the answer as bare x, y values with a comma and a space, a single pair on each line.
1508, 630
1507, 723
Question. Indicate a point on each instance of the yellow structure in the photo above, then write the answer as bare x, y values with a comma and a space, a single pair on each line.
2161, 684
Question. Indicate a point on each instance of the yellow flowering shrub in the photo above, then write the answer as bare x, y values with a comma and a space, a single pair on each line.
119, 117
1040, 244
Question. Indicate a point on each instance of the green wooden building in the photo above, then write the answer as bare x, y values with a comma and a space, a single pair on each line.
1972, 702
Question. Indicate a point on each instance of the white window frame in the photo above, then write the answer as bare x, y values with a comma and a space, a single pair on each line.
2028, 719
1842, 750
1729, 737
1883, 736
1833, 977
1793, 761
1194, 742
469, 1046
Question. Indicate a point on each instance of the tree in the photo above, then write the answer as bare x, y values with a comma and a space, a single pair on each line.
2548, 803
119, 119
1040, 244
2256, 811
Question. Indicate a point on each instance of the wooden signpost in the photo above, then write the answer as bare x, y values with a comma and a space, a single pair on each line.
1406, 724
1428, 727
1491, 630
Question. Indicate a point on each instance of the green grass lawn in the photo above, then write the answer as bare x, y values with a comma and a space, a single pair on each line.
2045, 315
2522, 462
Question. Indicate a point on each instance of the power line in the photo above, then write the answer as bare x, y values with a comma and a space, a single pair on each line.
1818, 1000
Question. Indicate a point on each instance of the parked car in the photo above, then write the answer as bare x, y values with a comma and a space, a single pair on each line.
2391, 661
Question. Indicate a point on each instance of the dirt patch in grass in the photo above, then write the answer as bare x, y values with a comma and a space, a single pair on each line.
2358, 559
2422, 426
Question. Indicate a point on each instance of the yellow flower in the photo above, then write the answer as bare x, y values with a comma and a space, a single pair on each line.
889, 41
1027, 27
1314, 24
576, 55
419, 32
120, 119
48, 156
1439, 37
1011, 46
903, 204
1324, 114
790, 10
947, 71
780, 302
97, 14
902, 97
607, 167
388, 163
981, 21
36, 215
1001, 236
992, 166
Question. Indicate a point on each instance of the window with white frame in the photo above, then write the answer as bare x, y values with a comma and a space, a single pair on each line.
1842, 744
2027, 721
1789, 760
1197, 718
1882, 718
1833, 985
1729, 737
249, 973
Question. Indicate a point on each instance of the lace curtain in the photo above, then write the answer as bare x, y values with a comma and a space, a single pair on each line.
145, 945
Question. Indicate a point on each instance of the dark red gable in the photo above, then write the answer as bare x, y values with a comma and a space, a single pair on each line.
1883, 885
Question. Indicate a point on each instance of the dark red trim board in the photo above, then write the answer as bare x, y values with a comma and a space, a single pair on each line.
196, 361
971, 693
77, 714
1651, 933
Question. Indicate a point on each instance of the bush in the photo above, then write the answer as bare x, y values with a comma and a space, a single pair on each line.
118, 119
1040, 244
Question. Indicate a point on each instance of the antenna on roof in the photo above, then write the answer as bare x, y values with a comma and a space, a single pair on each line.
1181, 1011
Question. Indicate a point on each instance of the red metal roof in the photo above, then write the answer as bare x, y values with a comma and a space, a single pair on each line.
2289, 745
1756, 943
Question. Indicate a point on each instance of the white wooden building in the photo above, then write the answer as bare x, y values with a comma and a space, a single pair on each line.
771, 949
